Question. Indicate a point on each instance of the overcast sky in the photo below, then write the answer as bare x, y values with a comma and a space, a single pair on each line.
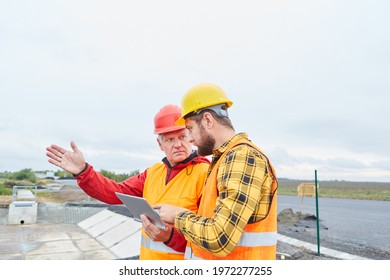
309, 80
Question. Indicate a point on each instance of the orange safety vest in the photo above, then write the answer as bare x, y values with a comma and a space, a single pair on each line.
184, 190
259, 239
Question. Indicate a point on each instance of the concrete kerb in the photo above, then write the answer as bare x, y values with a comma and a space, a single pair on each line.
313, 248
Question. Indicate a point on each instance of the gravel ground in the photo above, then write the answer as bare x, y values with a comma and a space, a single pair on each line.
303, 227
310, 237
286, 251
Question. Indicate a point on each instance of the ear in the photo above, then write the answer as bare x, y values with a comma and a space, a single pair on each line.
208, 120
159, 144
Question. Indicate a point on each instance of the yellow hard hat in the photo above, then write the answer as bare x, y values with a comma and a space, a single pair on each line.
202, 96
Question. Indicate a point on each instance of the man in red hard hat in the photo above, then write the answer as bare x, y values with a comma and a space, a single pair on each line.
177, 180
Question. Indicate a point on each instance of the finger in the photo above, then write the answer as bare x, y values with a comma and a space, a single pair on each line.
55, 159
56, 150
147, 226
54, 162
145, 221
51, 150
51, 155
74, 147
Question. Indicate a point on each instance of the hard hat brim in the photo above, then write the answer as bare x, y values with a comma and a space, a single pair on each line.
169, 129
181, 122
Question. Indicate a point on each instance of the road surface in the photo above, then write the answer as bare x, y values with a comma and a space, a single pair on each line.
359, 227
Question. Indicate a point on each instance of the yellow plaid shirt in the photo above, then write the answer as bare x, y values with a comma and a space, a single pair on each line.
241, 200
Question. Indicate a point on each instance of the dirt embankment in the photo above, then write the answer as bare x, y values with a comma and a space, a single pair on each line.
57, 195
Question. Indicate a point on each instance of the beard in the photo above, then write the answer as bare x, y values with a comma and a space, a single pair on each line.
206, 144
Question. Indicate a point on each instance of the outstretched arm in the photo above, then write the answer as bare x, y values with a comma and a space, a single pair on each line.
70, 161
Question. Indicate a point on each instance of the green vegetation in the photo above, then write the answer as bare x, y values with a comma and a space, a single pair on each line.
22, 175
27, 177
5, 191
340, 189
118, 177
63, 174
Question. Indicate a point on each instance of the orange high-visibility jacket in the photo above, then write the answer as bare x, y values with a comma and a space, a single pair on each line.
184, 190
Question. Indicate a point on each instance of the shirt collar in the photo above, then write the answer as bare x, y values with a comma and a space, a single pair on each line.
191, 157
222, 149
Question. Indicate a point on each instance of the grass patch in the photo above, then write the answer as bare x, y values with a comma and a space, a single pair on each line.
5, 191
341, 189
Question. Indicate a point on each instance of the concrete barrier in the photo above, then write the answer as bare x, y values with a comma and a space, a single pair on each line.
24, 207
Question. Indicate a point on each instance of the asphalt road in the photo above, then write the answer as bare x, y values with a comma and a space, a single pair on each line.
359, 227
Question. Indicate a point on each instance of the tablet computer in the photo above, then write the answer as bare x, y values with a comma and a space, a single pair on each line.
137, 206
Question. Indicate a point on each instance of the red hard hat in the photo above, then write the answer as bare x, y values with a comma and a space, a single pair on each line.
165, 119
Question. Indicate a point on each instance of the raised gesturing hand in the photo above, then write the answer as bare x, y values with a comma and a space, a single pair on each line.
70, 161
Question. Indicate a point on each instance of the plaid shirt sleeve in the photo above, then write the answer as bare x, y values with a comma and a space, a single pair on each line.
240, 179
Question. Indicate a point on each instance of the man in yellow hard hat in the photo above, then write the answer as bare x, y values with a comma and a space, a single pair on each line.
177, 180
237, 213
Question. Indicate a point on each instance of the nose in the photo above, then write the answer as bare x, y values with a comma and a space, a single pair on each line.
177, 142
